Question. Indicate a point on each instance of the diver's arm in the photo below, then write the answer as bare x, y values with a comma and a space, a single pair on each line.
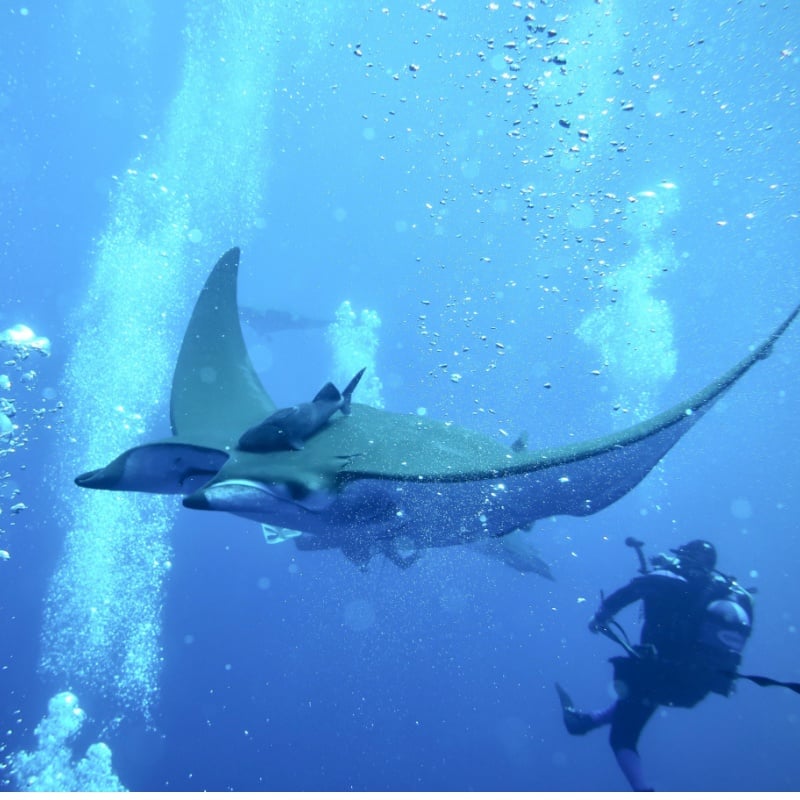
615, 602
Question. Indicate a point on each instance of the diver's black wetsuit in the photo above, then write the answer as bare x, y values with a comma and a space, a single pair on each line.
669, 670
672, 668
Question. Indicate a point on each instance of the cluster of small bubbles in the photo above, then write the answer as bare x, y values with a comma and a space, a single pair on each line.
102, 617
107, 634
19, 418
647, 209
131, 420
354, 339
633, 332
51, 768
453, 600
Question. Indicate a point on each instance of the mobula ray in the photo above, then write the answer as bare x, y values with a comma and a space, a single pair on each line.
371, 481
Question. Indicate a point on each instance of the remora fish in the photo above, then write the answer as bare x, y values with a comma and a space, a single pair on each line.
290, 427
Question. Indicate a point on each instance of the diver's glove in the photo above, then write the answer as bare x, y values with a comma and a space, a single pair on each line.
598, 622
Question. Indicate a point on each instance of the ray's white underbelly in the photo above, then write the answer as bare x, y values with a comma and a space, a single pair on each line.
432, 514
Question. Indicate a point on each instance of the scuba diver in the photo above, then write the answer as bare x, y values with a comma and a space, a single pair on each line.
696, 623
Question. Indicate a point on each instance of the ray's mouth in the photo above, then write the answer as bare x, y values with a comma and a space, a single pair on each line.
253, 496
233, 495
198, 501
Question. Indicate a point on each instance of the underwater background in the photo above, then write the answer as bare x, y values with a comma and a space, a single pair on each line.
557, 218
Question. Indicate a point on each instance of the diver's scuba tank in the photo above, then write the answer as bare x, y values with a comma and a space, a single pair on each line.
724, 630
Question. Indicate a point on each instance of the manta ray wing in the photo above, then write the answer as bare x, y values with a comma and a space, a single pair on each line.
604, 469
216, 393
391, 476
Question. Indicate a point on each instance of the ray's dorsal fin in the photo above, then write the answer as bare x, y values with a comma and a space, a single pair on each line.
216, 393
347, 394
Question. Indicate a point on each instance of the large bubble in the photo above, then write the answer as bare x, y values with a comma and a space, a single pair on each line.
51, 768
23, 341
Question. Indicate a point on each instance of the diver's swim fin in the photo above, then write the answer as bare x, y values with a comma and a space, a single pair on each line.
566, 700
760, 680
576, 722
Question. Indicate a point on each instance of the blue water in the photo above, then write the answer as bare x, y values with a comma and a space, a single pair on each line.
474, 178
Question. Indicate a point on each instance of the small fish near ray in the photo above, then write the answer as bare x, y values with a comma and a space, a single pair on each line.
266, 321
290, 427
374, 482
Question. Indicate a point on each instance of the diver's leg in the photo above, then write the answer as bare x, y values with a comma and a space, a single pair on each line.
629, 718
631, 765
579, 722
